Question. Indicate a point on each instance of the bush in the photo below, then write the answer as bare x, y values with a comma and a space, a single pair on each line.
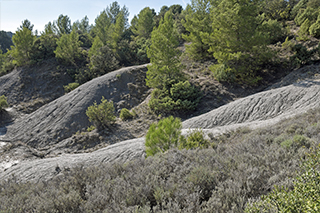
163, 135
314, 29
195, 140
3, 102
102, 61
305, 195
44, 47
125, 114
102, 115
70, 87
302, 54
175, 96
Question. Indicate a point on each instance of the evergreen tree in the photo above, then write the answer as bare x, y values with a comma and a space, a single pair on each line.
144, 23
23, 42
68, 49
163, 54
5, 41
49, 29
63, 25
197, 21
236, 41
27, 24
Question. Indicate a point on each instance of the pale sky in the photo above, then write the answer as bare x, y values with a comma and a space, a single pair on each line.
40, 12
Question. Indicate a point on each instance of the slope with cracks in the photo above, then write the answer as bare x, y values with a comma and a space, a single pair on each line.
66, 115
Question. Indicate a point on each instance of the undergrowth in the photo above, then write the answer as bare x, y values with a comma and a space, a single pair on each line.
244, 165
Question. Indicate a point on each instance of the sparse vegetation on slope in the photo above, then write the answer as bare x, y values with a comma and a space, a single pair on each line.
245, 165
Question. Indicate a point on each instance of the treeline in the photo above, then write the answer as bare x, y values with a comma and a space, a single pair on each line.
237, 34
87, 50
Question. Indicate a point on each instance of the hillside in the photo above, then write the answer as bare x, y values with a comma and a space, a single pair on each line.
50, 135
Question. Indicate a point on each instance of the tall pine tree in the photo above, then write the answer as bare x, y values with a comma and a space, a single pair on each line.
163, 54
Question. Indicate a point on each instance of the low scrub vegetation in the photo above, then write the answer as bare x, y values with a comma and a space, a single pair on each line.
3, 102
244, 165
125, 114
70, 87
101, 115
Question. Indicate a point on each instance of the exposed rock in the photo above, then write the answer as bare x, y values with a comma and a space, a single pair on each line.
33, 86
66, 115
45, 169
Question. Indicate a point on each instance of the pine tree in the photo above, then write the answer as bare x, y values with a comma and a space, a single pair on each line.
197, 21
68, 49
236, 41
144, 23
163, 54
23, 42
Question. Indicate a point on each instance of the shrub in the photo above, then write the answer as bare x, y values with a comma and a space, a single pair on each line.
163, 135
125, 114
175, 96
70, 87
3, 102
91, 128
305, 195
101, 115
195, 140
302, 54
314, 29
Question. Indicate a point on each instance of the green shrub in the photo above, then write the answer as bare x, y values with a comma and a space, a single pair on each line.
175, 96
3, 102
302, 54
305, 195
195, 140
70, 87
102, 115
314, 29
163, 135
91, 128
221, 72
125, 114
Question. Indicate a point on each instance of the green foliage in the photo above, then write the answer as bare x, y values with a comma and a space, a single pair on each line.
195, 140
165, 62
163, 136
5, 41
125, 114
49, 29
273, 29
236, 40
197, 22
144, 23
101, 115
62, 25
43, 47
70, 87
3, 102
277, 9
68, 49
175, 96
102, 60
23, 42
314, 29
82, 25
296, 142
305, 195
91, 128
302, 54
308, 17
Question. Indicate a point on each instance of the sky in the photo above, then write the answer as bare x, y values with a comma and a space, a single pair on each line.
40, 12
